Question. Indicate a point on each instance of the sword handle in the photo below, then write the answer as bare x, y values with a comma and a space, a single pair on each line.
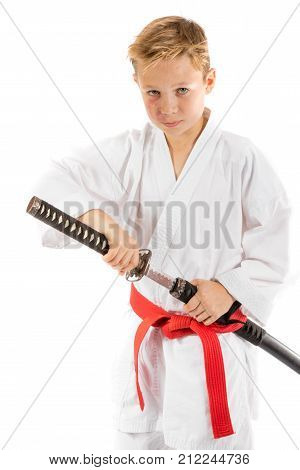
183, 290
68, 225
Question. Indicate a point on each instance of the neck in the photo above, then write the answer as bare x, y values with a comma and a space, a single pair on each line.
189, 138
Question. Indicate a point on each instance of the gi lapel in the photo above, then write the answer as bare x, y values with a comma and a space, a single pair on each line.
182, 190
132, 178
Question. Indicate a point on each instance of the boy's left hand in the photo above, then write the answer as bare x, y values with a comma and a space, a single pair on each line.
210, 302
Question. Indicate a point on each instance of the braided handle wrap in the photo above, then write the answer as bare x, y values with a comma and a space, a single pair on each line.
68, 225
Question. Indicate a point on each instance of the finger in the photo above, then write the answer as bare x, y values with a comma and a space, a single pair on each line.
131, 261
202, 316
110, 254
197, 311
193, 303
114, 263
134, 262
127, 264
124, 262
209, 321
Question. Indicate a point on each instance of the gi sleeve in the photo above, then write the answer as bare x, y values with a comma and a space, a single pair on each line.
91, 178
265, 239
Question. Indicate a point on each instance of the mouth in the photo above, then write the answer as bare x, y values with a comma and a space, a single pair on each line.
171, 124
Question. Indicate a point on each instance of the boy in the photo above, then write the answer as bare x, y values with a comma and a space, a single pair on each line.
211, 209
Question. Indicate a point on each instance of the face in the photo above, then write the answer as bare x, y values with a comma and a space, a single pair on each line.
174, 91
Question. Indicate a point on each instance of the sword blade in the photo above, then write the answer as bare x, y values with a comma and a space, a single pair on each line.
161, 278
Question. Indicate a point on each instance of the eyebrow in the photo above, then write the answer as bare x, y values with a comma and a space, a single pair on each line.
176, 84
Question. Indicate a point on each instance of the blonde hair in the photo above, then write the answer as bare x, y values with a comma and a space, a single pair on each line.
168, 37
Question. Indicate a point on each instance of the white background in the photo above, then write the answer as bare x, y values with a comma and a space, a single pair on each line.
47, 295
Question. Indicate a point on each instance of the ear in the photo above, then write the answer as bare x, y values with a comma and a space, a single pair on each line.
134, 75
210, 81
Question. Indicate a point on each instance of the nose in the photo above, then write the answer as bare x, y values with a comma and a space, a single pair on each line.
168, 106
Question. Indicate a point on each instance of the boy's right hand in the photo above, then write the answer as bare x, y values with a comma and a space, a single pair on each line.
123, 253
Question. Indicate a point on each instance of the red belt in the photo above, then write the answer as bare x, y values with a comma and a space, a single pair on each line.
176, 326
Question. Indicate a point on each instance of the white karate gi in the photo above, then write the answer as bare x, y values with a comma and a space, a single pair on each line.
225, 176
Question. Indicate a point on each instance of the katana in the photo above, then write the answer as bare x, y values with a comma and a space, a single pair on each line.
179, 288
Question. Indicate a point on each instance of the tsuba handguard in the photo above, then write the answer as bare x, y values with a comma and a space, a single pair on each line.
140, 270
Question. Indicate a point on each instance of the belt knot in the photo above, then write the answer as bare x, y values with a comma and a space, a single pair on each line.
177, 323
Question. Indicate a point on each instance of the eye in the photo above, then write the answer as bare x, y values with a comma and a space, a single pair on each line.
183, 89
155, 91
151, 91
